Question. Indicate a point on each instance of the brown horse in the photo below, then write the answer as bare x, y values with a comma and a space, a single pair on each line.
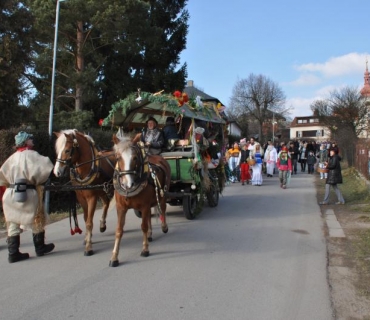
140, 183
91, 170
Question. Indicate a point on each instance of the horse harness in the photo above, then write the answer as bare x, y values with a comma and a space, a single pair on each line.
95, 169
144, 173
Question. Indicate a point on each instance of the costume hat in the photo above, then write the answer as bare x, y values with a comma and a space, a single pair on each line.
284, 149
243, 142
152, 119
21, 138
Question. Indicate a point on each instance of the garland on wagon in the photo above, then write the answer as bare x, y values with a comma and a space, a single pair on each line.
171, 102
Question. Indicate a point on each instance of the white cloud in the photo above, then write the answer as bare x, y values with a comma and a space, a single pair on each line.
300, 106
306, 80
324, 92
323, 78
349, 64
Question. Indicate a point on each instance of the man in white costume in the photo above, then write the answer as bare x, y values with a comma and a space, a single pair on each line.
23, 173
270, 159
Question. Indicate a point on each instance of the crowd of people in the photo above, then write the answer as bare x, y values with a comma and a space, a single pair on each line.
248, 161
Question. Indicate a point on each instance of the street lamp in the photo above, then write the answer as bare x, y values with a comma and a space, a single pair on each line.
51, 110
273, 127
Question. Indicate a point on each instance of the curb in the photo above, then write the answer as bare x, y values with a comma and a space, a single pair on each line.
334, 227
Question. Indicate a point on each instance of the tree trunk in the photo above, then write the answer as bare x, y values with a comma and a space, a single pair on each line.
260, 137
80, 65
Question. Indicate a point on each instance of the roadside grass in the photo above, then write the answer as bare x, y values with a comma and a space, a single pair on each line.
355, 218
356, 192
355, 189
361, 246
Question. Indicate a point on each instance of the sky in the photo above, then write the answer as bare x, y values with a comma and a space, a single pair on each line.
309, 48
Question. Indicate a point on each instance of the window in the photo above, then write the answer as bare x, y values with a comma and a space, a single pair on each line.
309, 133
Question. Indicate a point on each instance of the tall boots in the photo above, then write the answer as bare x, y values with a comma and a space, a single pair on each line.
40, 246
13, 247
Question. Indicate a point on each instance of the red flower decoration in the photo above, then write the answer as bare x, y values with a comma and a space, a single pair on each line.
100, 122
177, 94
181, 97
185, 97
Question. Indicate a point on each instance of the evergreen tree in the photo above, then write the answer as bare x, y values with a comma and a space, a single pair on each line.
15, 58
118, 47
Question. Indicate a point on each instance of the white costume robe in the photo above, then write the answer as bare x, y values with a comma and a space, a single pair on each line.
33, 167
270, 159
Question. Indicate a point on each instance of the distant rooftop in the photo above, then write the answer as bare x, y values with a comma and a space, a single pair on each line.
192, 91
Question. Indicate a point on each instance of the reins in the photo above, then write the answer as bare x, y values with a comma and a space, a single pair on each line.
146, 170
95, 167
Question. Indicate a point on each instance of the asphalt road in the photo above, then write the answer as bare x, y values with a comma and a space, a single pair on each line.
260, 254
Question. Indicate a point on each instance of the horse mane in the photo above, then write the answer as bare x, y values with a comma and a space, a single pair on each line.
59, 143
123, 144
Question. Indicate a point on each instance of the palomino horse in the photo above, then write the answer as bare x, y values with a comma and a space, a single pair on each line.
91, 170
140, 183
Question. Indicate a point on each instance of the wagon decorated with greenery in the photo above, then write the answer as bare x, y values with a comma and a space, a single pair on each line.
197, 169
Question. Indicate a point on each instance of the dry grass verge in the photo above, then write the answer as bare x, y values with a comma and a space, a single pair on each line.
349, 258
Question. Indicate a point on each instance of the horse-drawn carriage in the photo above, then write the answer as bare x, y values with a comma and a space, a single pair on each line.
197, 171
184, 174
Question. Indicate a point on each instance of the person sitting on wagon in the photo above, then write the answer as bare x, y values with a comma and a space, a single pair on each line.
152, 137
170, 133
23, 173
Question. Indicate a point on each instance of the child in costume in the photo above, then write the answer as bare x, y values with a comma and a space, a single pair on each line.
284, 164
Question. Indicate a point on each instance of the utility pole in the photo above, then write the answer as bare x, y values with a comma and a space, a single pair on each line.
51, 109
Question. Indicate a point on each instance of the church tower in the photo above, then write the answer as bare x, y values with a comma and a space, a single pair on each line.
365, 91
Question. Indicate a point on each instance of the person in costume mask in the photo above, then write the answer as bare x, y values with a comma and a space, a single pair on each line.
23, 173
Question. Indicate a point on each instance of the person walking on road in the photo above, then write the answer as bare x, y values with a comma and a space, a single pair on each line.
284, 165
234, 159
294, 152
270, 159
311, 161
23, 173
245, 175
303, 153
323, 157
257, 154
334, 177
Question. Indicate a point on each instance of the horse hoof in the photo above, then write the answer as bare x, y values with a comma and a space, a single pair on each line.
102, 229
165, 229
150, 239
114, 263
88, 253
144, 254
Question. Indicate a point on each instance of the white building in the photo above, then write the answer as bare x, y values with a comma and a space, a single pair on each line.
234, 129
308, 128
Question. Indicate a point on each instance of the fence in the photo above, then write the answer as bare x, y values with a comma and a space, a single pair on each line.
362, 159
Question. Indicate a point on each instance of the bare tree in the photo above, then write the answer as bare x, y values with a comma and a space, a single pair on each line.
344, 113
257, 97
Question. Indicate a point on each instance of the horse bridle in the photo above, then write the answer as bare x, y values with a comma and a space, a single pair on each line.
68, 161
140, 166
94, 170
